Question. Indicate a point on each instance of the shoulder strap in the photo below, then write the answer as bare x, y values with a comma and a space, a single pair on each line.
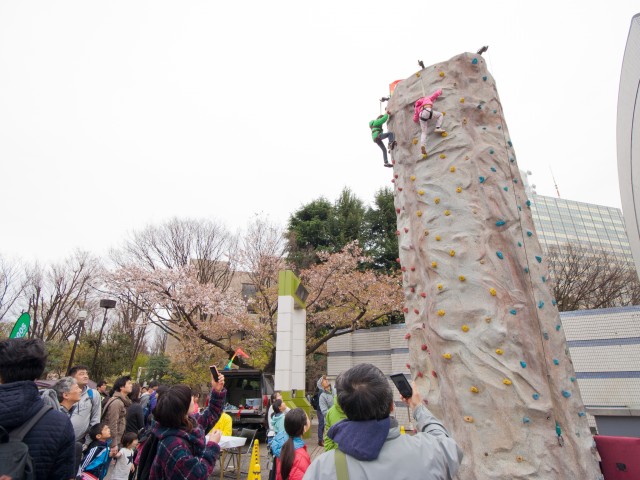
341, 465
90, 393
109, 402
17, 434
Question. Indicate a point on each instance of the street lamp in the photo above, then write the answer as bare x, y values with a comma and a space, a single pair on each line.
106, 304
82, 316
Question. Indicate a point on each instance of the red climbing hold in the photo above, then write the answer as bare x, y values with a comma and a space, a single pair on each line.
413, 290
398, 232
416, 311
406, 230
413, 269
423, 295
398, 259
405, 309
397, 210
424, 347
420, 375
407, 336
404, 269
435, 375
408, 365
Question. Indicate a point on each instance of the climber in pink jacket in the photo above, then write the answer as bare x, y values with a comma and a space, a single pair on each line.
423, 113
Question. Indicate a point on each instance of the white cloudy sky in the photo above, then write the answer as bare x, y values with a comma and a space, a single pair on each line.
117, 114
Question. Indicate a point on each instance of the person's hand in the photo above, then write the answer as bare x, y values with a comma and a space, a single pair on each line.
113, 451
219, 385
215, 435
415, 399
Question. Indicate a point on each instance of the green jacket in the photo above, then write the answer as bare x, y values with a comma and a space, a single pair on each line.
376, 126
334, 415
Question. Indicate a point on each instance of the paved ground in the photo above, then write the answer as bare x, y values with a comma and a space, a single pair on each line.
312, 447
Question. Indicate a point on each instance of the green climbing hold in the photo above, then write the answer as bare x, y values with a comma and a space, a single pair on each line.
499, 223
529, 233
539, 259
484, 79
540, 304
506, 189
509, 143
474, 61
493, 169
513, 312
519, 244
523, 364
499, 255
491, 151
481, 179
556, 362
495, 111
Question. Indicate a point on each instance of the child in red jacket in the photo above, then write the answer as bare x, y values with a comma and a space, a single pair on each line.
293, 458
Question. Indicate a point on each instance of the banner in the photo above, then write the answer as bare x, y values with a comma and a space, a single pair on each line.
21, 328
392, 86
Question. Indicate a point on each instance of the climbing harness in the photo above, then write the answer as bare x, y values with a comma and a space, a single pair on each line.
430, 113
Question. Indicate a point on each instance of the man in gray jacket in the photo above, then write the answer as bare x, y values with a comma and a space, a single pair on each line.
87, 412
370, 443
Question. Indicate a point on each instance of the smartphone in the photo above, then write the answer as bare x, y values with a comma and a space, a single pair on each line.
402, 384
214, 372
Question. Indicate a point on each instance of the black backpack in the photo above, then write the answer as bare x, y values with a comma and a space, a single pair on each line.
147, 455
315, 400
15, 460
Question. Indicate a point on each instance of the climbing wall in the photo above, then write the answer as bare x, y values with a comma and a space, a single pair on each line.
485, 337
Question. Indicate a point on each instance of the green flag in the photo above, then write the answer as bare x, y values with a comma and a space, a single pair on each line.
21, 328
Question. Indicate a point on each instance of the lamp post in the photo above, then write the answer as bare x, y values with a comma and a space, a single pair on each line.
82, 316
106, 304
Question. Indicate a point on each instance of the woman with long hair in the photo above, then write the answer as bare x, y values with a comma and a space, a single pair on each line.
292, 458
183, 452
135, 415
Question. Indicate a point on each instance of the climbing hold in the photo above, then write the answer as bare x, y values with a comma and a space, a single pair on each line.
444, 134
566, 393
495, 111
526, 269
407, 336
556, 362
434, 374
479, 107
468, 419
398, 259
515, 180
459, 190
474, 389
481, 179
406, 230
408, 365
484, 79
462, 278
492, 291
519, 244
536, 396
412, 177
434, 264
465, 328
447, 213
523, 364
491, 151
493, 169
452, 253
420, 375
426, 232
506, 189
423, 295
405, 309
499, 223
544, 279
414, 141
420, 192
400, 189
539, 259
462, 100
509, 142
418, 74
452, 169
439, 286
487, 319
506, 381
572, 379
424, 156
519, 459
558, 327
525, 420
397, 210
412, 290
442, 74
436, 200
581, 414
553, 302
447, 356
419, 213
499, 351
511, 159
413, 269
441, 313
404, 269
499, 127
540, 304
437, 238
424, 347
528, 203
398, 233
464, 121
513, 312
474, 61
545, 335
529, 233
499, 255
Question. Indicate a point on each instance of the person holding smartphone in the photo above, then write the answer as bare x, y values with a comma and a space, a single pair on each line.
183, 451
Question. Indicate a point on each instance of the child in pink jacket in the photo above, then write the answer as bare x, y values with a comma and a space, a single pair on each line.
424, 112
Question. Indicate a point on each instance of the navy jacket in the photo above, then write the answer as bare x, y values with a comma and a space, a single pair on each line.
51, 441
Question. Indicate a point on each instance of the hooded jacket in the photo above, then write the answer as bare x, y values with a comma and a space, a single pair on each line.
50, 397
326, 398
424, 101
86, 413
376, 449
51, 441
301, 460
334, 415
376, 126
184, 455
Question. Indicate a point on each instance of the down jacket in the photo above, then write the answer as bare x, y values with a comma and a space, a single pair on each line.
51, 441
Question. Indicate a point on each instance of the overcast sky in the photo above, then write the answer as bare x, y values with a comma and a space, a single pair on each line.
117, 114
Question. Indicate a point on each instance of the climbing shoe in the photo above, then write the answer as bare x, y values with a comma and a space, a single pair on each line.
388, 165
393, 145
439, 130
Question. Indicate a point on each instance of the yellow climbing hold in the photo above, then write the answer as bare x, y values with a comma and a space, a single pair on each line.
481, 261
487, 319
465, 328
414, 141
413, 178
452, 253
444, 134
438, 238
462, 100
462, 278
447, 356
424, 156
441, 313
499, 351
459, 189
506, 381
452, 169
419, 213
493, 292
464, 121
468, 419
442, 74
474, 389
426, 232
420, 192
447, 213
418, 74
439, 286
436, 200
519, 459
442, 155
434, 264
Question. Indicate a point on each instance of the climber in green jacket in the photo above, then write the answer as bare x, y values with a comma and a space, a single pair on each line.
378, 136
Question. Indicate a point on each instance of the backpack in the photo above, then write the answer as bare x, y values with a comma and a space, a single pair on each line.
15, 460
315, 400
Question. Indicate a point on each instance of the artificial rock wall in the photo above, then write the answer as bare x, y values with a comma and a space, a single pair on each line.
485, 337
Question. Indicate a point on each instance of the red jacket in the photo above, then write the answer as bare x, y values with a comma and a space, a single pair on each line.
301, 462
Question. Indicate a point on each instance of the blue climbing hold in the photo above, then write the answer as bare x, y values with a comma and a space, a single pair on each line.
499, 223
536, 396
525, 420
523, 364
526, 269
573, 379
539, 259
513, 312
511, 159
553, 302
499, 255
540, 304
506, 189
484, 79
519, 244
528, 203
474, 61
481, 179
545, 335
566, 393
556, 362
491, 151
581, 414
529, 233
493, 169
509, 143
558, 327
495, 111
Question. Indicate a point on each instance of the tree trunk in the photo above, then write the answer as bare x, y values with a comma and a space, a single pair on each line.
486, 341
